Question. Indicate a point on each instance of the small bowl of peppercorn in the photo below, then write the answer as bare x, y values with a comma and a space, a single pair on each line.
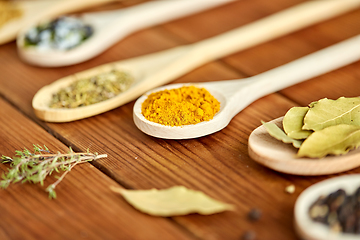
330, 210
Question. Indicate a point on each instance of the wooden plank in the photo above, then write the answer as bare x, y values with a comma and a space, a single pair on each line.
85, 206
217, 164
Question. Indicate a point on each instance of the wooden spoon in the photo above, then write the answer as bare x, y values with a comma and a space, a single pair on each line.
281, 157
37, 9
311, 230
156, 69
235, 95
109, 27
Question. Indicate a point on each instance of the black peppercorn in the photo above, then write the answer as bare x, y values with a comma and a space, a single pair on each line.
249, 235
341, 212
254, 214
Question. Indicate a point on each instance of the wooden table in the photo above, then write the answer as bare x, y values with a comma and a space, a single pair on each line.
218, 165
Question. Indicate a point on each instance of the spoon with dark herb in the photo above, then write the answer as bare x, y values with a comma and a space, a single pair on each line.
70, 40
329, 209
156, 69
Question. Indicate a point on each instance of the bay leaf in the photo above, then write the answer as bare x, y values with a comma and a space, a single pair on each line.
293, 122
279, 134
313, 103
174, 201
327, 112
336, 140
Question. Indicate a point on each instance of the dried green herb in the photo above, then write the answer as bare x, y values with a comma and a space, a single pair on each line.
87, 91
35, 167
177, 200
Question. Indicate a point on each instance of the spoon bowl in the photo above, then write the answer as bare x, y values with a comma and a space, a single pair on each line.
185, 131
308, 229
109, 27
235, 95
156, 69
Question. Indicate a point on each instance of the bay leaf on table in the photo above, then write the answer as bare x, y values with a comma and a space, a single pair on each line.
279, 134
174, 201
338, 139
327, 112
293, 122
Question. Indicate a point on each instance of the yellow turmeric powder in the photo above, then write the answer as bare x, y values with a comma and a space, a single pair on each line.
181, 106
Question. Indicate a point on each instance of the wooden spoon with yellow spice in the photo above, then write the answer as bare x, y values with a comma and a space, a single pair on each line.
159, 68
235, 95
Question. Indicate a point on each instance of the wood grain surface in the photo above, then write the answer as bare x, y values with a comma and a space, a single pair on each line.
87, 209
218, 164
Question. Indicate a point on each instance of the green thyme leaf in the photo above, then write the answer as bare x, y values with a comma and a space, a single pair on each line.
35, 167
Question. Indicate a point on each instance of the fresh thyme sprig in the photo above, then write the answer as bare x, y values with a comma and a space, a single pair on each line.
35, 167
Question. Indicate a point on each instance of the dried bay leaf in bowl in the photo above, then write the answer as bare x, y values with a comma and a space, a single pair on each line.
329, 127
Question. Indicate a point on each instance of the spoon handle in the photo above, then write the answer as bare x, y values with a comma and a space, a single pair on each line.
185, 58
170, 64
270, 27
307, 67
156, 12
65, 6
